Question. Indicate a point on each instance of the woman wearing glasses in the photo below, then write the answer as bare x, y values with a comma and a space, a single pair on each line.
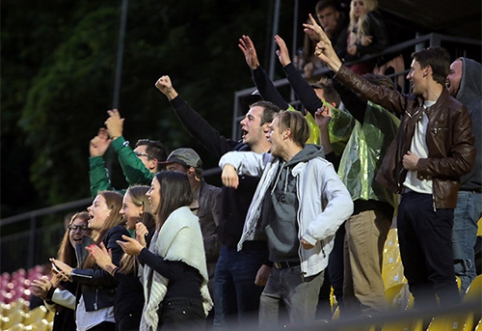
95, 307
59, 295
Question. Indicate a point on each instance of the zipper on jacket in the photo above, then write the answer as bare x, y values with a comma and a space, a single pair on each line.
96, 296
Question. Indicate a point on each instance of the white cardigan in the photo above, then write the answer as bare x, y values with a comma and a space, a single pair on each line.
180, 239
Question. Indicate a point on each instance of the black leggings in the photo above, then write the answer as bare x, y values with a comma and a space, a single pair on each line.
181, 314
104, 326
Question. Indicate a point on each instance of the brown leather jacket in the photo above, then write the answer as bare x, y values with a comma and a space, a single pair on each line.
450, 142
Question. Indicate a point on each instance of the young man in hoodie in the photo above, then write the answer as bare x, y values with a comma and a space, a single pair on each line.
464, 84
433, 147
298, 206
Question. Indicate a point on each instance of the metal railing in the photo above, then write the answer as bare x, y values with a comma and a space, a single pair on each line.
35, 236
420, 42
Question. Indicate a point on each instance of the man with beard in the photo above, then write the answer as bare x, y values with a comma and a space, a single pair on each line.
464, 84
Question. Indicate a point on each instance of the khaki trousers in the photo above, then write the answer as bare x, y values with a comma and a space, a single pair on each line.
363, 289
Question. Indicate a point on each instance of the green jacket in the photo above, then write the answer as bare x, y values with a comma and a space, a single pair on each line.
133, 168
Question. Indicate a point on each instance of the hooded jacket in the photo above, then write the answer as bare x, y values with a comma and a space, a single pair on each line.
470, 94
323, 201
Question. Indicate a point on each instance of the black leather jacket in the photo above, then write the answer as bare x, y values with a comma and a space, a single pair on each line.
97, 285
450, 142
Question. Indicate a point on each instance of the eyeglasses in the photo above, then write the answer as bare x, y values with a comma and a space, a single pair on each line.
142, 154
74, 227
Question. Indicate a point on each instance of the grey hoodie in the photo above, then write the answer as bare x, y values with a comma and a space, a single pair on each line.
280, 207
470, 94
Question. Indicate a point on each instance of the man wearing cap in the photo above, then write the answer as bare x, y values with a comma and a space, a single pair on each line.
206, 205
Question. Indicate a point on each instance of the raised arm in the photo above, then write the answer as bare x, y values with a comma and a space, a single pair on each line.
389, 99
302, 89
194, 123
263, 83
98, 174
134, 170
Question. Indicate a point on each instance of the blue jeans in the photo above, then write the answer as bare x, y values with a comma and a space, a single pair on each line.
464, 235
298, 295
234, 289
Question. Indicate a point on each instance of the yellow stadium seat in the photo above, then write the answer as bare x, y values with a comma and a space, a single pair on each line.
479, 227
454, 322
399, 297
393, 275
13, 318
416, 325
474, 291
41, 325
35, 315
50, 316
17, 327
479, 326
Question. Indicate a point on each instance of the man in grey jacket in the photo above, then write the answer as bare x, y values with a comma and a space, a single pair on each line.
464, 84
207, 204
298, 206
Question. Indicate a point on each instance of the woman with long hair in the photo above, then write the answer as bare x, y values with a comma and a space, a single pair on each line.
59, 295
95, 307
175, 273
129, 297
367, 34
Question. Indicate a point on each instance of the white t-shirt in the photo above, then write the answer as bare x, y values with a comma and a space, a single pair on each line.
88, 319
419, 148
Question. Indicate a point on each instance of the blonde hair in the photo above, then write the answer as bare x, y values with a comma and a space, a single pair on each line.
138, 196
357, 23
113, 200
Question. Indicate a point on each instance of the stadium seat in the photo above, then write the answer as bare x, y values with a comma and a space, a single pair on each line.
399, 297
454, 322
50, 316
479, 326
35, 315
41, 325
474, 291
15, 317
416, 325
16, 327
393, 275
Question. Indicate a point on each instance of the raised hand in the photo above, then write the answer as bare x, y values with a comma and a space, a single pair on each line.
246, 45
115, 124
282, 52
164, 85
99, 144
324, 50
323, 116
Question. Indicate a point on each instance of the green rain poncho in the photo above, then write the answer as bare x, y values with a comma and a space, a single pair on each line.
364, 153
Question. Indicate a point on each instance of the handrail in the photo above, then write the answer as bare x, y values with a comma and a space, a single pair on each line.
432, 39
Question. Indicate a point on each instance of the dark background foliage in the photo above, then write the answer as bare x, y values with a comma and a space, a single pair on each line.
58, 69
